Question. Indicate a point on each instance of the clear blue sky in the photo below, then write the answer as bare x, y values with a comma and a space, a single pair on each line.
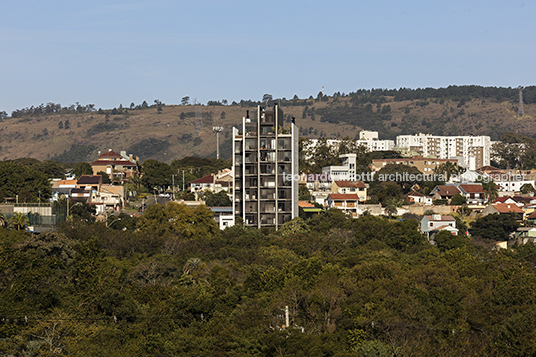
117, 52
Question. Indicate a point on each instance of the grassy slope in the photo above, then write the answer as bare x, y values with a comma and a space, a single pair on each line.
24, 137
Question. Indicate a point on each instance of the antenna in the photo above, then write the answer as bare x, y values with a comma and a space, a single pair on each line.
520, 112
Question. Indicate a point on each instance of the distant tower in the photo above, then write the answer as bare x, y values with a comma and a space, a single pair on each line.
520, 112
217, 130
323, 91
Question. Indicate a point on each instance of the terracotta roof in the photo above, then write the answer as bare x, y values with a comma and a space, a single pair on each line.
443, 218
305, 204
532, 215
447, 190
487, 168
507, 207
110, 154
344, 196
89, 180
415, 194
205, 179
113, 162
472, 188
502, 199
444, 227
358, 184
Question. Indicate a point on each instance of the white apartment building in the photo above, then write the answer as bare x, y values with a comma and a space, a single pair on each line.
474, 150
368, 139
345, 172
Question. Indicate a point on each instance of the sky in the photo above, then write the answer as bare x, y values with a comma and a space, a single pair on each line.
114, 52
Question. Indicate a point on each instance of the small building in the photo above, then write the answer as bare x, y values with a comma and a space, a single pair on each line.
436, 222
418, 198
203, 183
474, 193
503, 208
118, 167
444, 192
309, 209
357, 187
346, 202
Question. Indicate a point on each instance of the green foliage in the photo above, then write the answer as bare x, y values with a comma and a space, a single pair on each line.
156, 174
220, 199
458, 199
82, 169
18, 178
446, 240
179, 287
495, 226
150, 147
105, 177
304, 194
76, 153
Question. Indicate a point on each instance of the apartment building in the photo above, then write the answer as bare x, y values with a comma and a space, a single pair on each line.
423, 164
474, 151
265, 165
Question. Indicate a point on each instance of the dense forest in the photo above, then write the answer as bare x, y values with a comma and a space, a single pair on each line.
172, 284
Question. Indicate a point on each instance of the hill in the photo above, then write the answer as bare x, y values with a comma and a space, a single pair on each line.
167, 132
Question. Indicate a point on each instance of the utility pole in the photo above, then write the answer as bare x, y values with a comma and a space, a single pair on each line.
287, 317
183, 181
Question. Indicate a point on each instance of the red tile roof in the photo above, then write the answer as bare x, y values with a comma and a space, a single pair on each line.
415, 194
532, 216
507, 207
205, 179
344, 196
447, 190
110, 154
305, 204
113, 162
472, 188
357, 184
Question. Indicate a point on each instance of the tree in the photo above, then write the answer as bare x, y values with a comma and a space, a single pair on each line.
82, 169
185, 100
220, 199
458, 199
303, 193
60, 125
105, 177
494, 226
527, 189
19, 220
3, 220
448, 169
267, 98
156, 174
445, 240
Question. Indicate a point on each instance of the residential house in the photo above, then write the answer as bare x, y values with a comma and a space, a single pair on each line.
118, 167
474, 193
358, 187
346, 202
418, 198
436, 222
203, 183
88, 182
444, 192
503, 208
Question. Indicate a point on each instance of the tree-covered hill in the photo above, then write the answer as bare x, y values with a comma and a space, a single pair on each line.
166, 132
